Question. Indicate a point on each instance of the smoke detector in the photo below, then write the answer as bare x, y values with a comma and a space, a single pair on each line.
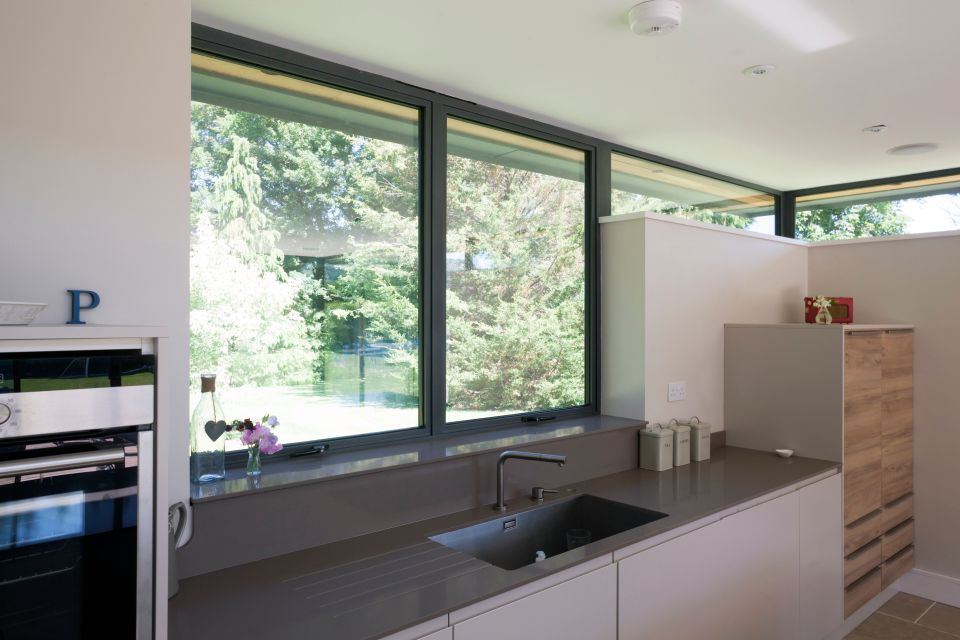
655, 17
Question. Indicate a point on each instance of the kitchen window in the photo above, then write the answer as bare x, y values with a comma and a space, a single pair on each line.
305, 253
897, 207
516, 274
364, 283
642, 186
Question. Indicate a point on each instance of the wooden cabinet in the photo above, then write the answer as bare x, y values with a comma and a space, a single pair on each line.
842, 393
583, 608
736, 578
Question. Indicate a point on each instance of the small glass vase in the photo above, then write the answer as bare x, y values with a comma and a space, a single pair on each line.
253, 460
824, 317
207, 429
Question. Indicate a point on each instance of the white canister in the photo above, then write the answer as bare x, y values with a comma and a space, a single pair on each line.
656, 449
681, 444
699, 439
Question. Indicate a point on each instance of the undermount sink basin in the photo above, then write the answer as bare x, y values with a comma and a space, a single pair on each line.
512, 541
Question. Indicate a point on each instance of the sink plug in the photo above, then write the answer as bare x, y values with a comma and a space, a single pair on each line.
541, 556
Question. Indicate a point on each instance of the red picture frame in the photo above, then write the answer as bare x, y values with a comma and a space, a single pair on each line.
840, 308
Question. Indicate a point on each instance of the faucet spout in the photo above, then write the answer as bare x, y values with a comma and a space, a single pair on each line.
520, 455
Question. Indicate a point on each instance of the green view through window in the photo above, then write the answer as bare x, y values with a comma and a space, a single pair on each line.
896, 208
304, 261
643, 186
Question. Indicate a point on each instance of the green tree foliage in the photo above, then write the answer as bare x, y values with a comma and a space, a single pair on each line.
269, 317
851, 221
626, 202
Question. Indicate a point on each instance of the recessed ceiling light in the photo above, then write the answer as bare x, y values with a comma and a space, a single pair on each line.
758, 70
875, 128
912, 149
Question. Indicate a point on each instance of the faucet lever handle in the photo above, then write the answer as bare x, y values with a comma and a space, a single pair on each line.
537, 493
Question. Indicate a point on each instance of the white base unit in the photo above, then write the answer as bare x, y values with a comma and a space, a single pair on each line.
821, 558
584, 608
736, 579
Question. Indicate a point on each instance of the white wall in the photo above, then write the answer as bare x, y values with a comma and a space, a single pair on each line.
915, 281
693, 278
94, 162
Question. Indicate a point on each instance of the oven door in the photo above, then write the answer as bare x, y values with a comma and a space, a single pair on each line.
69, 517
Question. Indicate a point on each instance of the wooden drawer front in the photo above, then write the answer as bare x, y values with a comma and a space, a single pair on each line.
896, 567
859, 564
896, 540
860, 592
862, 532
862, 432
897, 512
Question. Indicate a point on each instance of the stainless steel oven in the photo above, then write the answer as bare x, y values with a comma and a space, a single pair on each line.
76, 495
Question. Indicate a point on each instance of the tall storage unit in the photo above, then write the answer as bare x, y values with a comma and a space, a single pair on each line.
836, 392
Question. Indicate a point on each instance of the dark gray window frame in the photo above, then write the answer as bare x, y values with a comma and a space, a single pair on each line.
435, 108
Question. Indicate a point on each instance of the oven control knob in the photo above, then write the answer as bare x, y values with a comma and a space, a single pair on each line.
5, 413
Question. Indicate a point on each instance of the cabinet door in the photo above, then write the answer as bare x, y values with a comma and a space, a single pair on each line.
896, 414
584, 608
821, 558
862, 436
443, 634
736, 579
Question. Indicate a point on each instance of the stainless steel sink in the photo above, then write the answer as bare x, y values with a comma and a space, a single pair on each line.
513, 541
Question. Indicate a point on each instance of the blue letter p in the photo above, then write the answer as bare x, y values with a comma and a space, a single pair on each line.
75, 307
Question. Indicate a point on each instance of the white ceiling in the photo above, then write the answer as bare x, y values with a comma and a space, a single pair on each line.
841, 65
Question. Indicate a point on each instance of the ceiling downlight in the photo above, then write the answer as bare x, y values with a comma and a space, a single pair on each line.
759, 70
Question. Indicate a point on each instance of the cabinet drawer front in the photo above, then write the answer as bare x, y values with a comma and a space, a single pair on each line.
896, 566
858, 594
859, 564
897, 512
862, 532
896, 539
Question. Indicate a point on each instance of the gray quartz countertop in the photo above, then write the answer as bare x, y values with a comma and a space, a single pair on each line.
374, 585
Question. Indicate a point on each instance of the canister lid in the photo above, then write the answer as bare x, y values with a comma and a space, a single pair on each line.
660, 432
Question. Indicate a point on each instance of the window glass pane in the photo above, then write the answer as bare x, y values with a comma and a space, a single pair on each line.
917, 206
644, 186
305, 252
515, 309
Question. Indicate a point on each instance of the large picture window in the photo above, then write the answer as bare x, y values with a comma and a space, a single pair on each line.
304, 264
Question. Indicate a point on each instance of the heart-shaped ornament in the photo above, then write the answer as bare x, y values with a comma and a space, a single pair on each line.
215, 429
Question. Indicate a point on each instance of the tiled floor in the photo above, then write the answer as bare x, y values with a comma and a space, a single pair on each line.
907, 617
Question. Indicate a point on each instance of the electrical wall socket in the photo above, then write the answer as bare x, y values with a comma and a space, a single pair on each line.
677, 391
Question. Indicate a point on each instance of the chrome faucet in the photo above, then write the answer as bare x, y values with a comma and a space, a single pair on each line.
520, 455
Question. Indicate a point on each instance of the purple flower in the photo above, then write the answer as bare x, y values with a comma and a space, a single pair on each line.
270, 444
272, 421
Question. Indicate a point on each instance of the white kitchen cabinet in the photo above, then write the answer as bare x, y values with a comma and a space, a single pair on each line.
736, 579
583, 608
443, 634
821, 558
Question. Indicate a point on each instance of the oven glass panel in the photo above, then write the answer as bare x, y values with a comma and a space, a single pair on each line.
68, 543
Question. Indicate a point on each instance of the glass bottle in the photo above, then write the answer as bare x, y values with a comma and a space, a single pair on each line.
207, 434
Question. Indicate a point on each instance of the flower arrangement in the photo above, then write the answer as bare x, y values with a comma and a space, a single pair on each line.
258, 437
822, 302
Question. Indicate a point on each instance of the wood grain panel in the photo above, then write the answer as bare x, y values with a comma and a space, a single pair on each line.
896, 414
860, 592
862, 432
896, 540
897, 511
896, 567
862, 532
859, 564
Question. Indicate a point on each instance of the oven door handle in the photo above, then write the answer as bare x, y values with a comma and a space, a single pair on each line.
61, 462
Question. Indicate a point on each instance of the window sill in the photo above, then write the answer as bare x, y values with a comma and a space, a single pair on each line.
330, 466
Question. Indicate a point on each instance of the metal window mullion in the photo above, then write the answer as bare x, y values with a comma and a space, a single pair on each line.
437, 249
